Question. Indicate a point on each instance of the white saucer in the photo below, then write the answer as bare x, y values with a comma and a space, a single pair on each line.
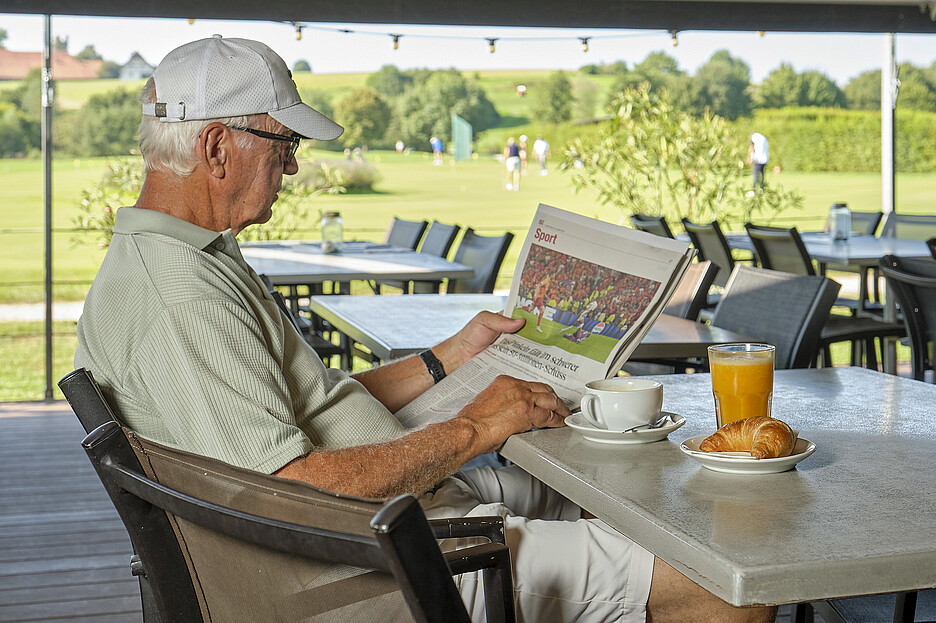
600, 435
744, 463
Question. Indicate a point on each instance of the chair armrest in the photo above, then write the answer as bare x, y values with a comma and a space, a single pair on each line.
491, 527
477, 557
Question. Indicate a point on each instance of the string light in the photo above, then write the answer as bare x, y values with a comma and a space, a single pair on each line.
491, 44
191, 21
761, 33
584, 41
673, 34
298, 32
396, 41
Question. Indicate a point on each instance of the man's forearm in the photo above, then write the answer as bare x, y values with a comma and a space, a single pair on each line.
410, 464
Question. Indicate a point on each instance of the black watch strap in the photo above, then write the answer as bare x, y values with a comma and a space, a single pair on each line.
433, 365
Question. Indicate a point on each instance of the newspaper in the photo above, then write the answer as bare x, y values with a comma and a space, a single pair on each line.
588, 290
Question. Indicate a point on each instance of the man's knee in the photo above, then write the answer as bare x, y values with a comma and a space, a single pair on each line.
674, 597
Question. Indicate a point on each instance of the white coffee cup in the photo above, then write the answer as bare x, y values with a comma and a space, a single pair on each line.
620, 403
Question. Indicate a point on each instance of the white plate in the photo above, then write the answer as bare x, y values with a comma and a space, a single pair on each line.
744, 463
600, 435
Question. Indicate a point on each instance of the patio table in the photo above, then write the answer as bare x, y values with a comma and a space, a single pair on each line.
303, 263
395, 326
855, 518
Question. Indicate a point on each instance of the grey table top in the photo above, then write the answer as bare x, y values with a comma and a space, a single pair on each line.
856, 251
303, 263
857, 517
395, 326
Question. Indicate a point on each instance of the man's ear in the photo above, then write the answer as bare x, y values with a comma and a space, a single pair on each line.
214, 148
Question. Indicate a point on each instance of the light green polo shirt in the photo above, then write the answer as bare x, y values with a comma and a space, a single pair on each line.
192, 351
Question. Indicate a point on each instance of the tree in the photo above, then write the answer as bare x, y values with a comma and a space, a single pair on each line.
389, 81
89, 54
364, 115
14, 129
3, 37
302, 65
60, 44
863, 92
105, 126
651, 157
817, 89
916, 92
586, 97
552, 99
722, 82
109, 69
779, 89
426, 108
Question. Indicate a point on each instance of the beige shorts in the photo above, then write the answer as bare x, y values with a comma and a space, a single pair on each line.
564, 568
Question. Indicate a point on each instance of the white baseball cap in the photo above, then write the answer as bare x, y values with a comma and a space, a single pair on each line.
217, 77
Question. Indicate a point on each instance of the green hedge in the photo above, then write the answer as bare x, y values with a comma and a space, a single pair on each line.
836, 140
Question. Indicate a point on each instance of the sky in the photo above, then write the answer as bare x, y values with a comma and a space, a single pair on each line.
367, 47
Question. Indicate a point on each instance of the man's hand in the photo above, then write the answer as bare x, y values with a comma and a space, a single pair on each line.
473, 338
509, 406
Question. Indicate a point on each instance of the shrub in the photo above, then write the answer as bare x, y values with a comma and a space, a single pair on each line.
351, 175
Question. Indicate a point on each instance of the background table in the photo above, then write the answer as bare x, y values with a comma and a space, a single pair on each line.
303, 263
855, 518
394, 326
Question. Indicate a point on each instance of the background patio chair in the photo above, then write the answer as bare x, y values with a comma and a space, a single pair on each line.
484, 254
912, 226
653, 224
238, 545
782, 309
931, 243
406, 234
781, 248
686, 302
438, 241
914, 284
709, 240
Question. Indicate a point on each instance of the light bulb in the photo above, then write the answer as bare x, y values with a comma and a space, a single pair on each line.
491, 44
396, 41
761, 33
673, 34
191, 20
584, 41
298, 33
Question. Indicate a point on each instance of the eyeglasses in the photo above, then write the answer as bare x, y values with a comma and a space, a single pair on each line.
292, 140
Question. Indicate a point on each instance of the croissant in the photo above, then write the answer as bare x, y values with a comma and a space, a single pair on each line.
764, 437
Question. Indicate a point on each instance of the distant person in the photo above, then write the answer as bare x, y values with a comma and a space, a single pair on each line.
523, 153
512, 160
759, 156
400, 146
436, 143
541, 149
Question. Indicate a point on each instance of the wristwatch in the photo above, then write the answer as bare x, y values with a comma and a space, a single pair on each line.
433, 365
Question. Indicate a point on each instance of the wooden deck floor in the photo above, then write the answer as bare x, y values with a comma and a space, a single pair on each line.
64, 554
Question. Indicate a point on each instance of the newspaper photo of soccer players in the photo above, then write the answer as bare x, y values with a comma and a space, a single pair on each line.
578, 306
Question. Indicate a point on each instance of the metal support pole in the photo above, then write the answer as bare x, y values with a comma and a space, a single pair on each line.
889, 84
47, 103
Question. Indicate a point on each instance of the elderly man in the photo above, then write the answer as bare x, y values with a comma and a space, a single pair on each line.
191, 349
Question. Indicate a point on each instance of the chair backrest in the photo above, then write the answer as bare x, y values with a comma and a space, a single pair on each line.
911, 226
484, 254
653, 224
86, 399
439, 239
782, 309
405, 234
691, 294
780, 248
931, 243
712, 246
914, 285
865, 223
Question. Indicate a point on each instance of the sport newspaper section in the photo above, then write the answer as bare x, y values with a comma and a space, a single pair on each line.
588, 290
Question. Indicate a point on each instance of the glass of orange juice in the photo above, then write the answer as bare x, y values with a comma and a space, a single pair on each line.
742, 380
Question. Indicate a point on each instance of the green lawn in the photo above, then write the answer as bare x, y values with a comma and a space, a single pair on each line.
468, 193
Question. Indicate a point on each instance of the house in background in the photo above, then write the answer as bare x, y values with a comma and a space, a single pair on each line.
136, 68
15, 65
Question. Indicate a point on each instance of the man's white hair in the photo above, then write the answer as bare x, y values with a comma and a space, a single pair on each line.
170, 147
